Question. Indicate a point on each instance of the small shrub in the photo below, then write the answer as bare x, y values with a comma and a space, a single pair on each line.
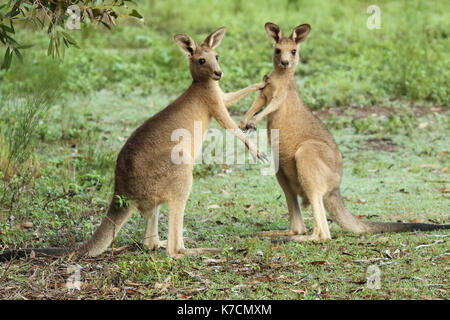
19, 122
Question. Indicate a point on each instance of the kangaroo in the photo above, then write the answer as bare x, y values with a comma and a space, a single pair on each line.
310, 163
145, 173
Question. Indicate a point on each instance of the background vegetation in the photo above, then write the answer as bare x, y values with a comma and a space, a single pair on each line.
384, 94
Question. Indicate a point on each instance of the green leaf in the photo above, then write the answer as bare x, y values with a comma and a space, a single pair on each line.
57, 39
28, 6
63, 49
105, 24
70, 39
7, 59
12, 13
50, 48
26, 46
8, 29
40, 22
136, 14
18, 54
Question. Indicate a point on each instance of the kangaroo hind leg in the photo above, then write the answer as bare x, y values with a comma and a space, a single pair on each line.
317, 178
175, 242
151, 236
177, 204
297, 225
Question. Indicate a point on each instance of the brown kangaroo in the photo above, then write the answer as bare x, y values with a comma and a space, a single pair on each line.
145, 173
310, 164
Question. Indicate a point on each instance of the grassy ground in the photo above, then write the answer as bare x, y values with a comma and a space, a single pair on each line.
383, 93
388, 176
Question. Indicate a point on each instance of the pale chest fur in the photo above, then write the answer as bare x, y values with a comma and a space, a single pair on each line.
283, 121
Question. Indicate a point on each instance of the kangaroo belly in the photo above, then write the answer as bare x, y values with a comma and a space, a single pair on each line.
159, 156
281, 137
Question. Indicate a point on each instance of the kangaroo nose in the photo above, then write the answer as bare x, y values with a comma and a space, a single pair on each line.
218, 73
285, 63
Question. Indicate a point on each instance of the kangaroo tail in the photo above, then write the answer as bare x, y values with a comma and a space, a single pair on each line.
100, 241
109, 228
336, 208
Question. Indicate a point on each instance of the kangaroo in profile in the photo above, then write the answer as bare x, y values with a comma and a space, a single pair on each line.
145, 173
310, 163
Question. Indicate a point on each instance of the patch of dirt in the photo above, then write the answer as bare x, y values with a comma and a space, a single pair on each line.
378, 111
365, 112
382, 144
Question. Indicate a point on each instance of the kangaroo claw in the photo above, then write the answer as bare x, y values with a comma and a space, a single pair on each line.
250, 127
263, 157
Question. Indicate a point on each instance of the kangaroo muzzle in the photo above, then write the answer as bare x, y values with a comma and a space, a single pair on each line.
218, 75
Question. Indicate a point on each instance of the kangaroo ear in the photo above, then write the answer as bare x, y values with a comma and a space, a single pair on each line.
273, 31
300, 33
186, 44
215, 38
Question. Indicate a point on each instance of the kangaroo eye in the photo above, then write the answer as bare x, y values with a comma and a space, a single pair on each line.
294, 52
217, 58
277, 51
201, 61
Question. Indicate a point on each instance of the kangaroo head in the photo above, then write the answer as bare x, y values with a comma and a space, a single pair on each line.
286, 48
204, 61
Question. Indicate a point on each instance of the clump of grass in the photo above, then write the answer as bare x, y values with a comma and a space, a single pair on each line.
19, 123
4, 155
393, 124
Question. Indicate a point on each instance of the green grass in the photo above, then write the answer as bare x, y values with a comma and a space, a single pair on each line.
71, 197
343, 62
396, 162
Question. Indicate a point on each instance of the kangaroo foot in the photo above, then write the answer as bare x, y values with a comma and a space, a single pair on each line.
195, 251
313, 237
278, 233
299, 238
155, 244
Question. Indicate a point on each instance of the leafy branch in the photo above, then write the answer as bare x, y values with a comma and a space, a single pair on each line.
57, 16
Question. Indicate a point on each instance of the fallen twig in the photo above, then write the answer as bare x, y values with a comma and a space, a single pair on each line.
429, 245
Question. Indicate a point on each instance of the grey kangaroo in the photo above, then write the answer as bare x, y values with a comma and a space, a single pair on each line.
145, 172
310, 163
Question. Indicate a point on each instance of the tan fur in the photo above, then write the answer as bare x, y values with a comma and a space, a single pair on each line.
145, 173
310, 163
